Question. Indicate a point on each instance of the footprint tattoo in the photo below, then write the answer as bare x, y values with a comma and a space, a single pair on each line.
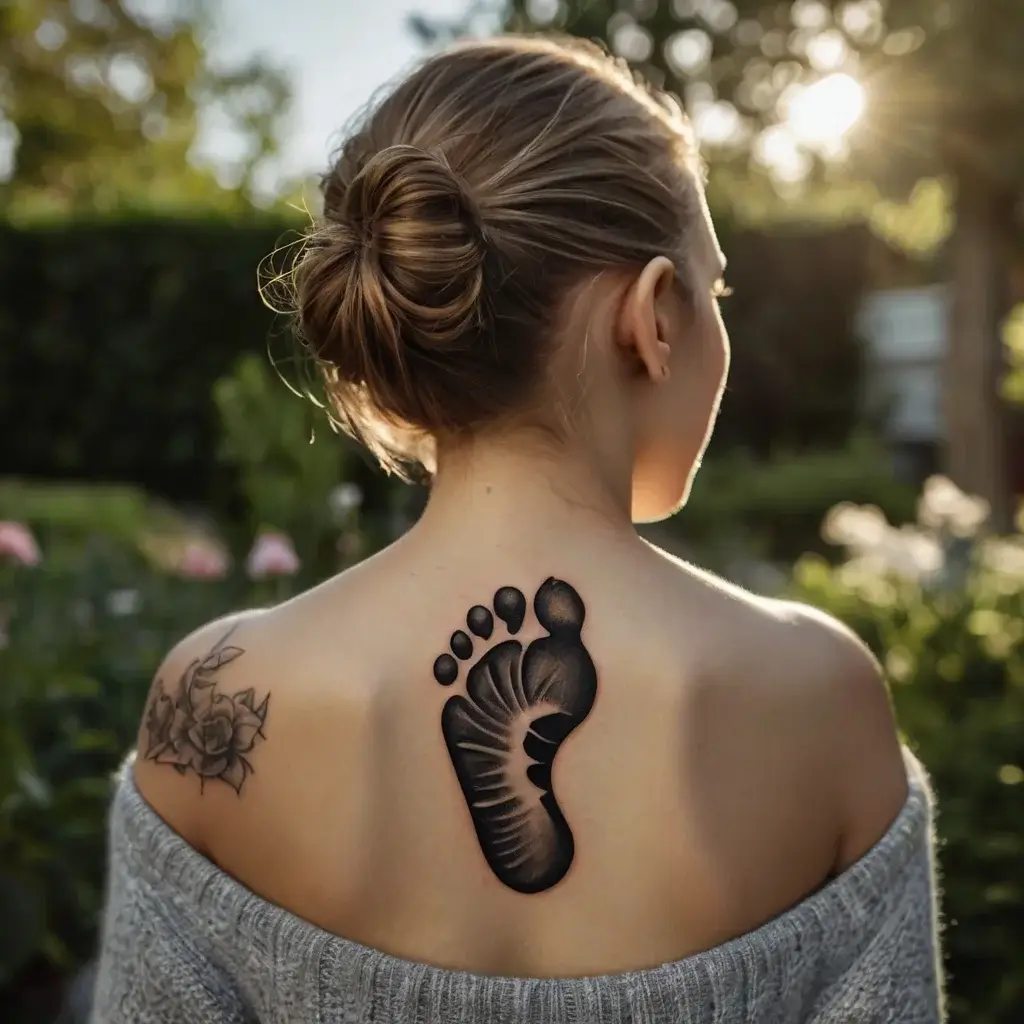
503, 734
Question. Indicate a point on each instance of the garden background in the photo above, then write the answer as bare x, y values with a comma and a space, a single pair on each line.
156, 471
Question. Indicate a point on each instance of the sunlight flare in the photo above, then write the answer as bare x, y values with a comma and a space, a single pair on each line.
822, 114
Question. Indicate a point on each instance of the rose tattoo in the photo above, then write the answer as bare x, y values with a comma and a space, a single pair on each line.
196, 728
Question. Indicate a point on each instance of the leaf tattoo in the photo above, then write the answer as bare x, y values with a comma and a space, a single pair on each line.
197, 728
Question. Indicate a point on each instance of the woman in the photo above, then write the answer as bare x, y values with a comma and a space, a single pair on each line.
521, 765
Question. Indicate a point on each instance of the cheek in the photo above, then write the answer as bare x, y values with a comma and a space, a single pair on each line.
691, 404
701, 390
724, 356
714, 348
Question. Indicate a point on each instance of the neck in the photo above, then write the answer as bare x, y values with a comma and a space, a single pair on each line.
518, 486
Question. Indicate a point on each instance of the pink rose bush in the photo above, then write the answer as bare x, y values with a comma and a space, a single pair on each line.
203, 560
273, 554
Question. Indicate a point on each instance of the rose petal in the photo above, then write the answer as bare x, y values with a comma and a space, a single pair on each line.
196, 758
218, 733
202, 560
211, 743
261, 711
234, 774
159, 717
245, 733
272, 555
201, 695
17, 542
178, 754
243, 716
213, 767
180, 724
217, 659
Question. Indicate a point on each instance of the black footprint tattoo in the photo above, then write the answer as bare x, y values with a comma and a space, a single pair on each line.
503, 735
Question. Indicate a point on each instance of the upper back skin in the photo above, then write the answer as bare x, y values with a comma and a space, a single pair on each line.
737, 751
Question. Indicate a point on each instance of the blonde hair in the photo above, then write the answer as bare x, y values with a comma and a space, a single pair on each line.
488, 184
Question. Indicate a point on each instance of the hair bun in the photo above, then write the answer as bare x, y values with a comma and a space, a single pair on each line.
392, 286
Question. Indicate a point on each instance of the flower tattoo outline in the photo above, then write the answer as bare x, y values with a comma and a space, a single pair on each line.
199, 729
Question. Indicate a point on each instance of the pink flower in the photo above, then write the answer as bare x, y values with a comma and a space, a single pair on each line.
18, 544
272, 555
202, 560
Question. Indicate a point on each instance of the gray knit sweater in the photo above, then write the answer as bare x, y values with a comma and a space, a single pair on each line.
184, 943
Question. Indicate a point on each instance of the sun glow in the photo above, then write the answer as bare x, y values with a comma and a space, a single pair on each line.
822, 114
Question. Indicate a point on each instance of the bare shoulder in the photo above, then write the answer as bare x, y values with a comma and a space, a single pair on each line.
847, 704
832, 665
788, 682
204, 721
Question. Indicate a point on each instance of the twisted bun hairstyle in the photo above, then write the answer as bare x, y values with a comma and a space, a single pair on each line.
457, 218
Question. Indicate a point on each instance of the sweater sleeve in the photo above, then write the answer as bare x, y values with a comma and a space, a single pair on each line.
897, 974
153, 967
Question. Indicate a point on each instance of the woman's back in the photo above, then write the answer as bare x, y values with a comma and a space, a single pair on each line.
703, 790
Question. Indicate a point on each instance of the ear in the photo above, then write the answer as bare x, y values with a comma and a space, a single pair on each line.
641, 327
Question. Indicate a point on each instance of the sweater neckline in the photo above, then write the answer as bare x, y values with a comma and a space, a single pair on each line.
857, 900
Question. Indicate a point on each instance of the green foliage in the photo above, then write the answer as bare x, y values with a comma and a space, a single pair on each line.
75, 511
947, 620
67, 517
773, 509
289, 461
102, 102
1013, 339
112, 335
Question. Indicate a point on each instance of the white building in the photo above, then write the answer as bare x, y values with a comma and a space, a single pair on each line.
905, 332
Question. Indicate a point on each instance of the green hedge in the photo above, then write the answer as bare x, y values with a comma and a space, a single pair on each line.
113, 333
111, 337
798, 364
773, 508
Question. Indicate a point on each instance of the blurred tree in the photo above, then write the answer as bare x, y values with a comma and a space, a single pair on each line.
100, 102
1013, 337
771, 84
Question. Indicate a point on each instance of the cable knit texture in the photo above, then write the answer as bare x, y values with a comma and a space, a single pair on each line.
184, 942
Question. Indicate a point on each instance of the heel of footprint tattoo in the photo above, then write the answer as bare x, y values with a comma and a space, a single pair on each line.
504, 733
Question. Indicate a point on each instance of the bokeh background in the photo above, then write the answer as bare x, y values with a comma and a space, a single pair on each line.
866, 171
